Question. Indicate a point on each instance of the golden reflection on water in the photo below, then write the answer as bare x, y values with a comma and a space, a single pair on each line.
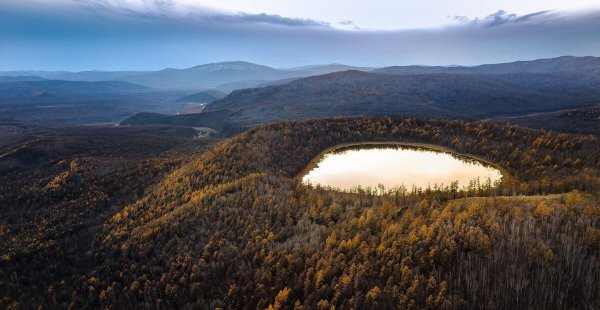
393, 166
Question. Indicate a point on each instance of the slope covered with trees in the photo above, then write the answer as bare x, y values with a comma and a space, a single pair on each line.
462, 96
213, 119
206, 96
234, 228
581, 121
558, 64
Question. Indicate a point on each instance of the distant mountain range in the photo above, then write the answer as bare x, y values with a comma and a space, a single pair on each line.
264, 94
25, 91
20, 78
559, 64
229, 76
482, 92
199, 77
473, 96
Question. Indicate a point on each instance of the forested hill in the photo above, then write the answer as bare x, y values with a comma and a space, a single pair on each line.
214, 119
473, 96
206, 96
559, 64
234, 228
25, 91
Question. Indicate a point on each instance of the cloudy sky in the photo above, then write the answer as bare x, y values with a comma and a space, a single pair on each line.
154, 34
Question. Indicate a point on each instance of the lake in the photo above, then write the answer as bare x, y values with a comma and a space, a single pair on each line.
394, 165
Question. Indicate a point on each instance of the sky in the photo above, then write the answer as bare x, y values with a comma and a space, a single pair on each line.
78, 35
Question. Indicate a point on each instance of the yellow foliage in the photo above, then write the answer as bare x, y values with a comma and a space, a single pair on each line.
542, 210
374, 293
573, 198
280, 299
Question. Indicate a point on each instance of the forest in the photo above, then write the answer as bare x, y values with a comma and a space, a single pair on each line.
230, 226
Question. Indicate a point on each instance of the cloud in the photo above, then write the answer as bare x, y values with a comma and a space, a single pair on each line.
112, 37
501, 17
267, 19
461, 18
195, 13
348, 24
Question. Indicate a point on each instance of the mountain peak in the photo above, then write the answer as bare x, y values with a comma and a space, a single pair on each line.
229, 65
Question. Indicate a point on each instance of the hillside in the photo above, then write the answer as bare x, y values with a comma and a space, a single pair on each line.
582, 121
213, 119
436, 95
232, 227
329, 68
233, 75
206, 96
228, 75
205, 76
559, 64
229, 87
85, 76
31, 90
20, 78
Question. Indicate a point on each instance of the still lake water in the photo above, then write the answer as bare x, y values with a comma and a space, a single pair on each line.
393, 166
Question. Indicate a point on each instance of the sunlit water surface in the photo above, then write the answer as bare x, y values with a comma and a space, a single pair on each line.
393, 166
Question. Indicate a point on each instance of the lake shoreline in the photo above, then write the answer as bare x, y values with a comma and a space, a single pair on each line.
314, 162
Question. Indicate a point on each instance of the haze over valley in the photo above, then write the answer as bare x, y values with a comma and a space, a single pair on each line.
266, 94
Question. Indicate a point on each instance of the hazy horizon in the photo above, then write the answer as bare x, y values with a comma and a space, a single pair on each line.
83, 35
279, 68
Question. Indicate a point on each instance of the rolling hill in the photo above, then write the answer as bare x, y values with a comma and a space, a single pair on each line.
206, 96
493, 91
239, 74
197, 77
214, 119
206, 76
581, 121
20, 78
148, 217
559, 64
59, 89
473, 96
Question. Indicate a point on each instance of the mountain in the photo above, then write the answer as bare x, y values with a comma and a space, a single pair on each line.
473, 96
27, 90
580, 121
74, 102
559, 64
226, 75
87, 76
93, 76
19, 78
329, 68
229, 87
566, 83
206, 76
206, 96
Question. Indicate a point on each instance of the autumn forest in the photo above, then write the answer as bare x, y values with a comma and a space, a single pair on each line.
228, 224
